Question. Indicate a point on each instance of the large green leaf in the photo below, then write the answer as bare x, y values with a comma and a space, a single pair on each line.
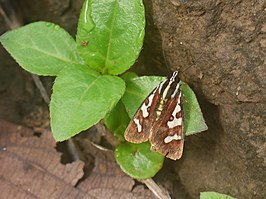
42, 48
110, 34
137, 160
138, 88
81, 97
214, 195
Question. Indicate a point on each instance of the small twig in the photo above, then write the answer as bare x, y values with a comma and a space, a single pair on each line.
100, 147
11, 19
73, 150
41, 88
156, 190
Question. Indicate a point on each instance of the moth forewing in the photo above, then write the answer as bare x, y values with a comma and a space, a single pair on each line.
138, 130
167, 135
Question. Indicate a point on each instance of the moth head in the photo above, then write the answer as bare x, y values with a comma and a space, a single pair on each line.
174, 77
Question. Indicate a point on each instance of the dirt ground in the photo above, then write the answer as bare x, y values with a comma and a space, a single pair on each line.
219, 49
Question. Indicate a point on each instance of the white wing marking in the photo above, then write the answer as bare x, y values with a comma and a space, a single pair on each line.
144, 107
139, 127
170, 138
176, 121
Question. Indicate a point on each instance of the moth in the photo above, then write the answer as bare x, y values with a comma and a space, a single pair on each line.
160, 119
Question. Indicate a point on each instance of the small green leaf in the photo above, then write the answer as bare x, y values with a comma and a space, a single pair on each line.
42, 48
194, 121
137, 89
214, 195
117, 120
110, 34
81, 97
128, 75
137, 160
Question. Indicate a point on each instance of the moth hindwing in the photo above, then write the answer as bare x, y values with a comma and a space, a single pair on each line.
160, 119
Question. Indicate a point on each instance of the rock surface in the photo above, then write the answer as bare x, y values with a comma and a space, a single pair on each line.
219, 48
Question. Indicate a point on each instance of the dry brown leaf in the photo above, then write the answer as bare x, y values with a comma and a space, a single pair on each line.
108, 181
30, 166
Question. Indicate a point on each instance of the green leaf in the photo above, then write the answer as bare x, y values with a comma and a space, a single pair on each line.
137, 160
128, 75
194, 121
42, 48
214, 195
81, 97
110, 34
137, 89
117, 120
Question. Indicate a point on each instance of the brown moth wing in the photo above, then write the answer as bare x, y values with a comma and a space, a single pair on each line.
138, 130
167, 136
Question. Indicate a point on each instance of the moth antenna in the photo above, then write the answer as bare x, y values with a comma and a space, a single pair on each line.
11, 14
182, 71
